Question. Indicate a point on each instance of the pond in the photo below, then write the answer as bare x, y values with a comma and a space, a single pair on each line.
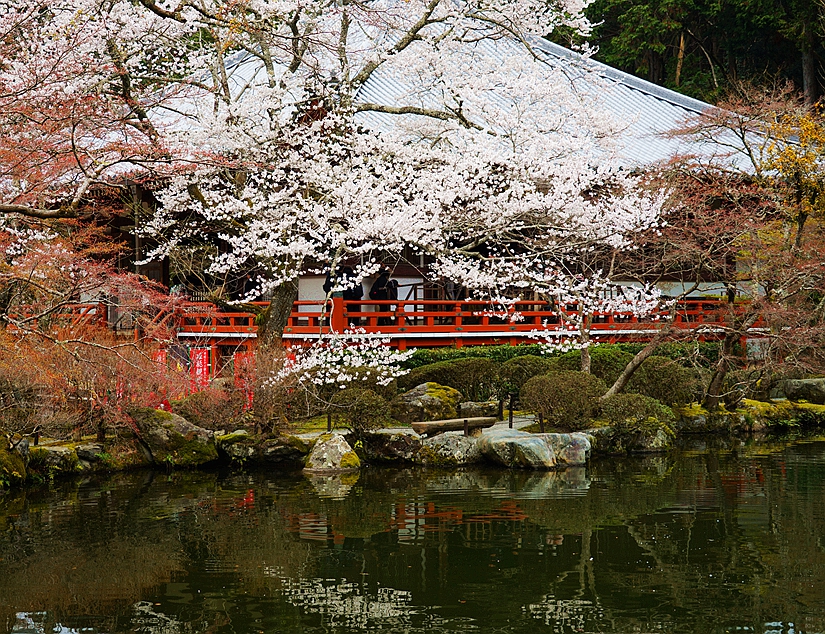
712, 541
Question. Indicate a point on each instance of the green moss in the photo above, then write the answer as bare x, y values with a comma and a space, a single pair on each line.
449, 397
428, 456
12, 469
691, 410
444, 392
189, 452
150, 415
49, 464
37, 457
301, 444
350, 460
233, 437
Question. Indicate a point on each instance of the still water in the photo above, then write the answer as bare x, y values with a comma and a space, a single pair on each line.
702, 541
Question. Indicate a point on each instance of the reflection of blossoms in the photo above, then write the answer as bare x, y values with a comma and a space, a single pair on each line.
346, 359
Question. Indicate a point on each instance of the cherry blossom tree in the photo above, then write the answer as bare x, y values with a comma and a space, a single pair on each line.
266, 131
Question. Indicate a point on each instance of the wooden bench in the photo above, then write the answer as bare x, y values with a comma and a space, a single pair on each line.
470, 426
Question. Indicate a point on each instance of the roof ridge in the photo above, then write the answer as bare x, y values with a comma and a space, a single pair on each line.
620, 76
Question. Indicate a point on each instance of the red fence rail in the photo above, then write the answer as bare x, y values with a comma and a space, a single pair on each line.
424, 323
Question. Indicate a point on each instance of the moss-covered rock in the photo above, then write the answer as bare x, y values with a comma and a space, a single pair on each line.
49, 461
450, 449
751, 416
285, 453
428, 401
12, 469
332, 453
239, 446
632, 436
172, 440
393, 448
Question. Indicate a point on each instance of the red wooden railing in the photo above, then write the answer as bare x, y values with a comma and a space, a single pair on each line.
67, 316
426, 323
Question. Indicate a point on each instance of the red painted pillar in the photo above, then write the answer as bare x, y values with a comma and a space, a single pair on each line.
337, 319
213, 360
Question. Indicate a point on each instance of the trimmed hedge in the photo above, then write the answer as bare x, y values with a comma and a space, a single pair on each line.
473, 377
701, 354
513, 374
497, 354
566, 399
607, 362
666, 380
628, 409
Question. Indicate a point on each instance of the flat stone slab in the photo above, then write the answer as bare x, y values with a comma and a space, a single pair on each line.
474, 425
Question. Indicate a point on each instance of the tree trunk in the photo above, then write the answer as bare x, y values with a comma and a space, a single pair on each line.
810, 85
634, 365
584, 339
680, 59
713, 396
272, 320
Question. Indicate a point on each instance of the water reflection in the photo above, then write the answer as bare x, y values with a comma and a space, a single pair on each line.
716, 541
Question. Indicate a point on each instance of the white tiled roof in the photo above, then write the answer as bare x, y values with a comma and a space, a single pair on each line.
644, 111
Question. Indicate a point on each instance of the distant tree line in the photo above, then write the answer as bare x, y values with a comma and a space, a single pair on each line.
705, 49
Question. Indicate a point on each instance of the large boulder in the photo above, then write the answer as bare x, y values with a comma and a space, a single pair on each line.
390, 447
811, 390
332, 453
428, 401
171, 440
571, 450
450, 449
473, 409
652, 438
287, 453
238, 446
90, 453
52, 460
514, 448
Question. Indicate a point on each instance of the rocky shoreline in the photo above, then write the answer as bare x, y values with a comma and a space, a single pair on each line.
161, 439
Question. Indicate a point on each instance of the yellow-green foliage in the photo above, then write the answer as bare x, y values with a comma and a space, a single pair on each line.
350, 460
756, 415
786, 413
12, 469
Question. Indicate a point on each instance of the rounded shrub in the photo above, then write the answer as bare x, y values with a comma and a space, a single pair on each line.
629, 409
360, 409
606, 362
638, 423
666, 381
567, 400
513, 374
474, 377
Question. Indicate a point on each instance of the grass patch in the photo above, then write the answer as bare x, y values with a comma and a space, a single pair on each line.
319, 424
